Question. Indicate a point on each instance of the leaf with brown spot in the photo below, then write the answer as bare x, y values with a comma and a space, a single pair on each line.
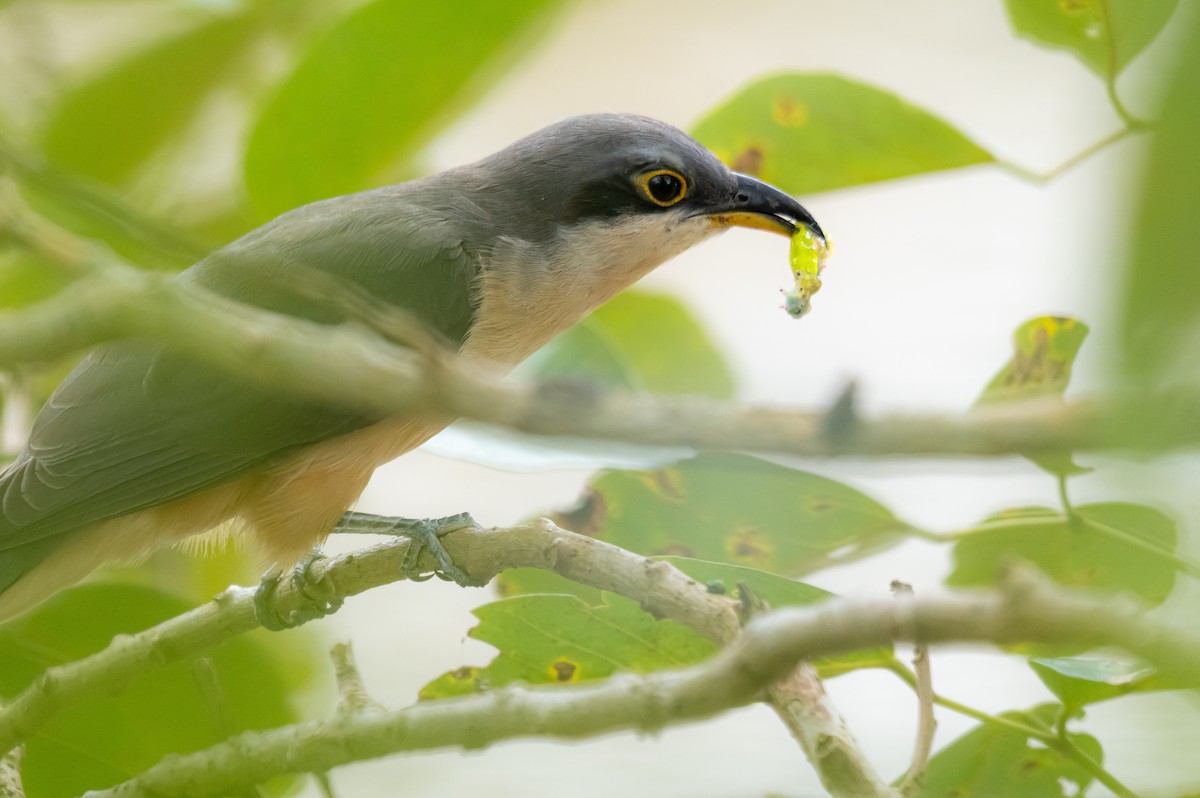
740, 509
1045, 350
564, 671
554, 639
808, 132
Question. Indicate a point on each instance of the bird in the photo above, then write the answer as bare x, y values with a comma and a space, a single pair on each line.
143, 446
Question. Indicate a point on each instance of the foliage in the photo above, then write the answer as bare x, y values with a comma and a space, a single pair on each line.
344, 113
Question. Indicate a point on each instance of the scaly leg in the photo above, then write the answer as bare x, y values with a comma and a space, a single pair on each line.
425, 534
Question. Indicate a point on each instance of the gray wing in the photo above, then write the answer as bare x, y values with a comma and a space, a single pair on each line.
136, 425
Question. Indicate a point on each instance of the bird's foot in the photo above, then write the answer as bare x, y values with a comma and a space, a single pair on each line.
425, 533
320, 597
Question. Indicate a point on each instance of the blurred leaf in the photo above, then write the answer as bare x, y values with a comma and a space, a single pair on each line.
778, 591
107, 127
552, 639
26, 279
815, 132
638, 341
1079, 681
994, 761
1113, 546
1105, 34
732, 508
373, 89
1045, 349
110, 739
92, 210
1041, 366
1161, 303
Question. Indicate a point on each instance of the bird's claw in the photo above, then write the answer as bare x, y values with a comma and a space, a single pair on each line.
320, 597
426, 533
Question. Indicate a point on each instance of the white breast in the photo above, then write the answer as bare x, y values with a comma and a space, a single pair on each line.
531, 292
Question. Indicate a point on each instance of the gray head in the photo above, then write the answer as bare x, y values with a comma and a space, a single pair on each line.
569, 216
610, 169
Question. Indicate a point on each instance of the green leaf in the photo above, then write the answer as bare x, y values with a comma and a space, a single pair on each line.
731, 508
1161, 303
778, 591
1113, 546
1104, 34
373, 89
112, 738
1079, 681
1041, 366
107, 127
554, 639
815, 132
638, 341
992, 761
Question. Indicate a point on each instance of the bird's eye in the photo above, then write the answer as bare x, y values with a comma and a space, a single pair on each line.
663, 187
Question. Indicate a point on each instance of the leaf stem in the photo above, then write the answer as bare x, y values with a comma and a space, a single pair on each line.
1135, 123
1064, 496
1033, 176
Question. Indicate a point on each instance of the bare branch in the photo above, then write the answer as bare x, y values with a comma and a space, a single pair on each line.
800, 701
364, 372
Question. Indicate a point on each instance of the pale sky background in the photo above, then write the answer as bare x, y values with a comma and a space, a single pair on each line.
929, 278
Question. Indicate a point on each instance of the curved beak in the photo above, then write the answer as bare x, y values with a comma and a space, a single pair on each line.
761, 206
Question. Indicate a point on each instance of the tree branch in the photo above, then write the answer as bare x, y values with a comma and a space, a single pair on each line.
347, 366
1027, 609
660, 588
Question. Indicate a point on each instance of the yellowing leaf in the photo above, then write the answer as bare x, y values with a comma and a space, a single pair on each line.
1046, 347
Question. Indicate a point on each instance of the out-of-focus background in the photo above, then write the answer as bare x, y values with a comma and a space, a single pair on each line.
930, 276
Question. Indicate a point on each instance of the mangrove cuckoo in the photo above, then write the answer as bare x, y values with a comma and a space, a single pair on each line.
143, 446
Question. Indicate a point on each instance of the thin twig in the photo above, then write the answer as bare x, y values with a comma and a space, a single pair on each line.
352, 693
913, 780
349, 367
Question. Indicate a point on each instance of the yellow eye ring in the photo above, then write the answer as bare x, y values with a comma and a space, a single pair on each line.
663, 187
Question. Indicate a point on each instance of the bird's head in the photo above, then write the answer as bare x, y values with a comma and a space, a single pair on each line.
603, 177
